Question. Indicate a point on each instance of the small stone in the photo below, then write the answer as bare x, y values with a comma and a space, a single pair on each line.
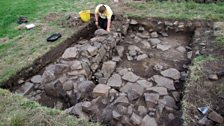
70, 53
214, 116
68, 85
141, 29
171, 73
108, 68
129, 58
101, 90
154, 35
145, 83
171, 116
176, 96
20, 27
163, 47
77, 110
122, 99
181, 49
203, 121
116, 115
136, 119
146, 44
100, 32
164, 34
25, 88
120, 50
115, 81
36, 79
132, 94
160, 90
151, 99
130, 109
123, 71
116, 58
142, 57
86, 86
170, 102
154, 41
132, 86
86, 106
130, 76
122, 109
158, 67
133, 22
142, 110
92, 50
59, 105
213, 77
76, 65
189, 54
148, 121
165, 82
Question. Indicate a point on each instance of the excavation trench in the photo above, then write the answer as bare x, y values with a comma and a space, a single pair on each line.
133, 76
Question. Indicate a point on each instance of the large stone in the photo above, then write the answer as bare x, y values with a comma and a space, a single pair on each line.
77, 65
148, 121
115, 81
36, 79
77, 110
214, 116
100, 32
136, 119
120, 50
154, 35
122, 99
151, 99
171, 73
55, 89
170, 102
86, 106
108, 68
160, 90
133, 94
101, 90
181, 49
92, 50
165, 82
86, 86
133, 22
154, 41
132, 86
68, 85
122, 71
163, 47
70, 53
142, 57
130, 76
146, 44
145, 83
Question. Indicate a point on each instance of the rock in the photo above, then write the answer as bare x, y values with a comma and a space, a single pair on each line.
130, 76
210, 123
134, 48
214, 116
77, 65
25, 88
151, 99
100, 32
165, 82
122, 99
36, 79
133, 94
163, 47
120, 50
132, 86
55, 89
146, 44
171, 116
181, 49
154, 35
136, 119
141, 29
142, 110
202, 122
115, 81
145, 83
189, 54
158, 67
70, 53
59, 105
171, 73
108, 68
123, 71
77, 110
129, 58
20, 27
176, 96
133, 22
170, 102
148, 121
213, 77
86, 86
116, 115
92, 50
86, 106
68, 85
154, 41
160, 90
101, 90
116, 58
164, 34
142, 57
122, 109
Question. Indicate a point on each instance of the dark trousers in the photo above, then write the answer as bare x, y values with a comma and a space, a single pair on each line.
103, 22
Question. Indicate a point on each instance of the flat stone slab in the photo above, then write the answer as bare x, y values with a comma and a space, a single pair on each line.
101, 90
70, 53
132, 86
130, 76
171, 73
36, 79
145, 83
25, 88
163, 47
164, 82
154, 41
108, 68
115, 81
148, 121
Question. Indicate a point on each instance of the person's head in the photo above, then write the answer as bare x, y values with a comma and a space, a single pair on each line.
102, 9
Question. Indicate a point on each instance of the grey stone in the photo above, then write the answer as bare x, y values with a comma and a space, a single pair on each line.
148, 121
130, 76
144, 35
116, 58
25, 88
120, 50
108, 68
202, 121
115, 81
145, 83
151, 99
77, 65
122, 109
213, 77
92, 50
133, 94
154, 35
86, 86
123, 71
134, 48
70, 53
163, 47
130, 109
171, 116
141, 29
158, 67
146, 44
59, 105
160, 90
101, 90
171, 73
142, 57
136, 119
189, 54
132, 86
133, 22
154, 41
165, 82
170, 102
100, 32
176, 96
86, 106
68, 85
214, 116
36, 79
116, 115
142, 110
129, 58
164, 34
122, 99
77, 110
181, 49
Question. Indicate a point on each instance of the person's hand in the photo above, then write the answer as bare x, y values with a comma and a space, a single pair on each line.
96, 23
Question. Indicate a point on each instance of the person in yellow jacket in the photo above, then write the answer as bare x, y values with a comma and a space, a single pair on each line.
103, 16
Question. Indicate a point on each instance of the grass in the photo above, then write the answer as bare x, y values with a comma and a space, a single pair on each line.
18, 111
